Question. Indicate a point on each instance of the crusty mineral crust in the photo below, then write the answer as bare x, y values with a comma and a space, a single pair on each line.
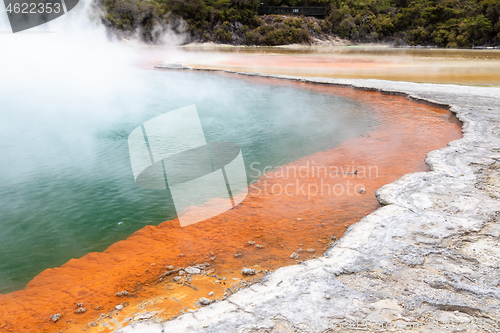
430, 253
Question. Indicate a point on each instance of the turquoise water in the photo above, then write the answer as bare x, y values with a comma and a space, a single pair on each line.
66, 184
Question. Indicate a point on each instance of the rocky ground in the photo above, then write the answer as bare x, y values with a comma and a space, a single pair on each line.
429, 259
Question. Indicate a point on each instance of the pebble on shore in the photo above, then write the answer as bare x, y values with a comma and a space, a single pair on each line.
55, 317
248, 271
204, 301
192, 270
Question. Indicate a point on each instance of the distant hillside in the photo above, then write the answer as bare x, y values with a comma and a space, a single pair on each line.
444, 23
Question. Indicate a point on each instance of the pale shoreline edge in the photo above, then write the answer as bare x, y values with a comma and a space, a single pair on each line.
429, 253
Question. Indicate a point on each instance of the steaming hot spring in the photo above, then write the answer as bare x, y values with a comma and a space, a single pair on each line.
78, 233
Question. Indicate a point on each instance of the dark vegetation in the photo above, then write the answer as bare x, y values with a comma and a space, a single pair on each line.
443, 23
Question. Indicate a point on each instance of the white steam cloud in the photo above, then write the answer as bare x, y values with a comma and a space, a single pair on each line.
65, 77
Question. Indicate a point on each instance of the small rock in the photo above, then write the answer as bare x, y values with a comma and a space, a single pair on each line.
299, 218
205, 325
236, 255
248, 271
181, 255
99, 307
311, 250
177, 278
119, 307
192, 270
251, 243
181, 273
204, 301
55, 317
211, 293
122, 293
169, 267
143, 316
327, 296
80, 305
300, 250
93, 324
294, 256
362, 191
81, 310
259, 246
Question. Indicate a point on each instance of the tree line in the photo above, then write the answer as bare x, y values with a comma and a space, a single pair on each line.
442, 23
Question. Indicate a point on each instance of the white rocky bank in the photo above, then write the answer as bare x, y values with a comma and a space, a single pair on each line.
431, 254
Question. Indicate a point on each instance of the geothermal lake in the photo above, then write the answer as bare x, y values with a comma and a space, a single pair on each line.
68, 105
68, 188
67, 184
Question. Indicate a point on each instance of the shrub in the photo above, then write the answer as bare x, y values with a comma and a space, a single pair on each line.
348, 29
223, 34
326, 26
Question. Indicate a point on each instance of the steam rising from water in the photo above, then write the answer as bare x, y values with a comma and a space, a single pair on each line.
64, 77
